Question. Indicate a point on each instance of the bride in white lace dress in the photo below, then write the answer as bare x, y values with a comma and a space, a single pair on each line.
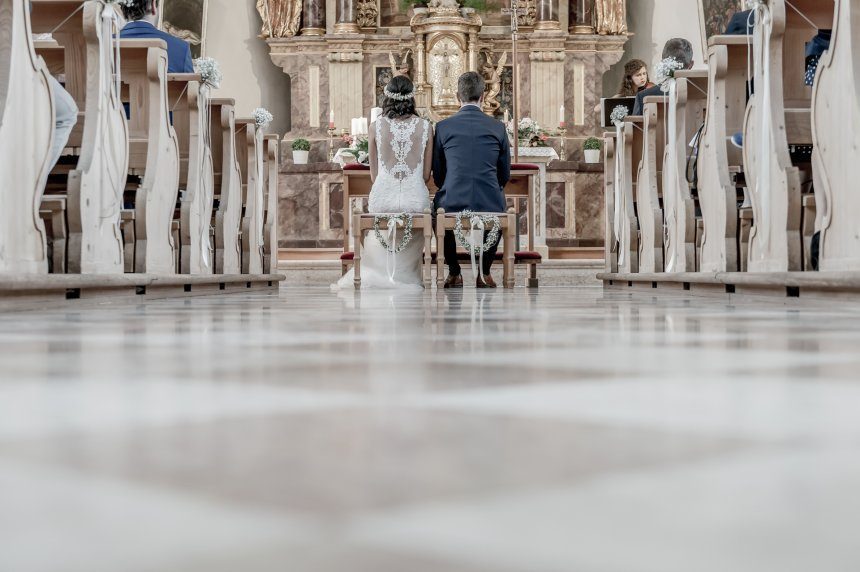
400, 145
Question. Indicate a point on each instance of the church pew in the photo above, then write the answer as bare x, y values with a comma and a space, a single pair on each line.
249, 150
649, 183
687, 104
726, 107
83, 53
836, 133
153, 154
189, 101
779, 115
610, 239
26, 134
53, 214
270, 227
228, 187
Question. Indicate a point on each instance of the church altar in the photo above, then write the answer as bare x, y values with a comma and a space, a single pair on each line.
338, 64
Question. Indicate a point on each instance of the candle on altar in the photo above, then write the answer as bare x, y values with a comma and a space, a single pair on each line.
331, 119
507, 117
353, 126
363, 125
561, 122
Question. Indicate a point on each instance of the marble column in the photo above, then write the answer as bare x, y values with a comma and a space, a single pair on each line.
580, 15
346, 21
313, 18
547, 15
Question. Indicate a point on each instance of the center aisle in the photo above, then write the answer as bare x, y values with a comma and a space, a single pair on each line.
554, 430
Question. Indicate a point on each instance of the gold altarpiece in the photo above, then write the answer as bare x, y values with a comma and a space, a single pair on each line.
340, 62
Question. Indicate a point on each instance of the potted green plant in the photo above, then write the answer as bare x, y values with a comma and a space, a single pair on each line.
301, 150
591, 147
415, 5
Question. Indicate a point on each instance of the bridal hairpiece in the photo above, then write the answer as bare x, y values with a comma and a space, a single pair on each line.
398, 96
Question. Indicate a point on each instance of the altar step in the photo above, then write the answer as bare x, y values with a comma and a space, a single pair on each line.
552, 273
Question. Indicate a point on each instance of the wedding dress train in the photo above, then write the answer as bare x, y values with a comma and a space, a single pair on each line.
399, 188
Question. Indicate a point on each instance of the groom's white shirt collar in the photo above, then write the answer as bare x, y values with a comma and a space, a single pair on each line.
465, 105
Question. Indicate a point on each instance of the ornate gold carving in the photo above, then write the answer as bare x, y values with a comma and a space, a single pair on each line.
368, 14
529, 16
610, 17
281, 18
446, 65
492, 73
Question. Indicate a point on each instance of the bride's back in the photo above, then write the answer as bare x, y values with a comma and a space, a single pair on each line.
401, 144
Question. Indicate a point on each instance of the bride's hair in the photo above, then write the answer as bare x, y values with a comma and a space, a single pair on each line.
399, 98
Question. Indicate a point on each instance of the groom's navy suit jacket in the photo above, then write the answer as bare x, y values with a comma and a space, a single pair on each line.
471, 162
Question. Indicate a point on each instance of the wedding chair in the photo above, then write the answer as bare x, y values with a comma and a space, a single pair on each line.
508, 228
521, 189
362, 223
270, 227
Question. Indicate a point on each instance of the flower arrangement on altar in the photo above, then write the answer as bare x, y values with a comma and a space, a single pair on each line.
210, 72
529, 133
358, 147
665, 71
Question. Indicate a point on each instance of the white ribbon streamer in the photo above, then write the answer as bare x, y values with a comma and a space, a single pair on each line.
391, 251
476, 242
620, 205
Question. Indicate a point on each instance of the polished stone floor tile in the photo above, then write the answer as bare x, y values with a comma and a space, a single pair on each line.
565, 429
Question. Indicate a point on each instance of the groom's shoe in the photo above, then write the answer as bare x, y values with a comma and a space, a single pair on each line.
487, 283
454, 281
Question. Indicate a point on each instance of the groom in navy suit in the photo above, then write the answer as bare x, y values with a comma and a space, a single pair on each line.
471, 166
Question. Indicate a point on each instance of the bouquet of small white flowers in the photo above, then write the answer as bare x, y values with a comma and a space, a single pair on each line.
665, 71
357, 147
618, 114
126, 3
209, 72
262, 117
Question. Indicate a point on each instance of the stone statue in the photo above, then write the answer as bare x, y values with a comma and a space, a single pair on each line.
610, 17
401, 67
281, 18
493, 77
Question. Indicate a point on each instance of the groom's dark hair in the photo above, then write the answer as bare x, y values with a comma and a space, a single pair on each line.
470, 87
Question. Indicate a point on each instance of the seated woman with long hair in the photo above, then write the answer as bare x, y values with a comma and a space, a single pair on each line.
635, 80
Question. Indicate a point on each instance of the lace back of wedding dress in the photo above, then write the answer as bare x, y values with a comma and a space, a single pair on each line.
400, 147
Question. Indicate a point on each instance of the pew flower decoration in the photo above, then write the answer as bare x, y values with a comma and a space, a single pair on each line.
126, 3
618, 115
487, 220
209, 71
665, 71
262, 117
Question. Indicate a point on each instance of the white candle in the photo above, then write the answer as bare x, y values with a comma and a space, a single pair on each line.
561, 116
353, 126
331, 119
363, 123
507, 117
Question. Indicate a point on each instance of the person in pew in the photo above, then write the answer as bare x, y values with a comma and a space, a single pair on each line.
142, 16
66, 117
681, 50
65, 114
635, 80
741, 24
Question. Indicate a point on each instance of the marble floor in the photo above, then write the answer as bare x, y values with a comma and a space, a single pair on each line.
562, 430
